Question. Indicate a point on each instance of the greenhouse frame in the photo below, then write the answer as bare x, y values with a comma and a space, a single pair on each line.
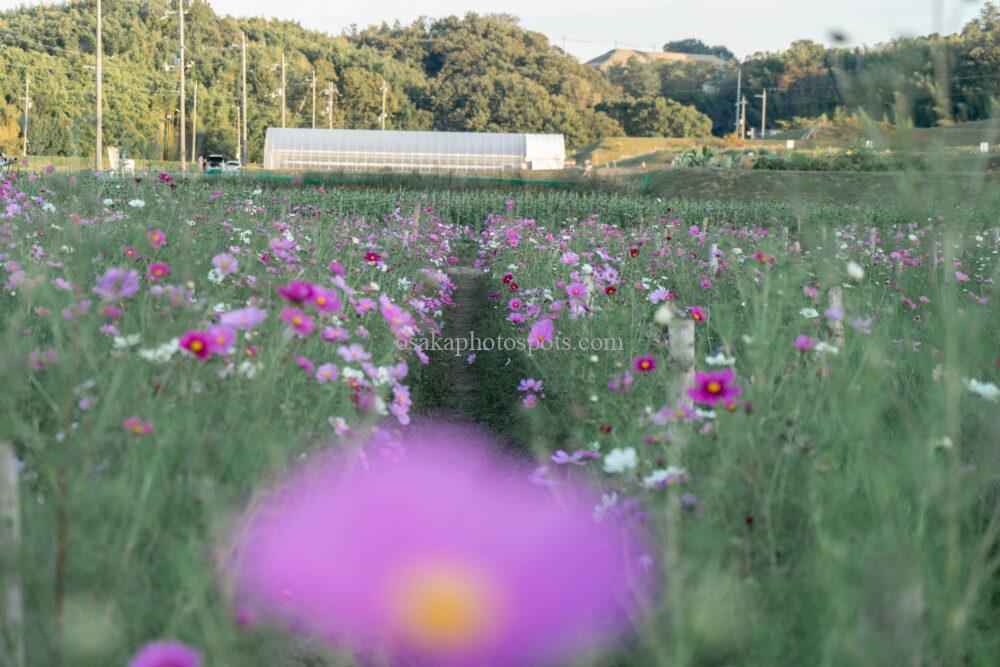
305, 149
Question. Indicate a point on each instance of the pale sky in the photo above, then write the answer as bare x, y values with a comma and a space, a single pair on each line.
745, 27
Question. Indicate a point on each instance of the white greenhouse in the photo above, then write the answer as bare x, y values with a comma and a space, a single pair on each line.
304, 149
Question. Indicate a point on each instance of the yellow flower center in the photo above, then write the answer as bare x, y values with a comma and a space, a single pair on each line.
320, 300
297, 321
197, 346
139, 429
443, 608
714, 387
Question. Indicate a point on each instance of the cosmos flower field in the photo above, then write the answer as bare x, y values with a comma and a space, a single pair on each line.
705, 434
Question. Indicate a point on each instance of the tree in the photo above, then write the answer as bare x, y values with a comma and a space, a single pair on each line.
698, 47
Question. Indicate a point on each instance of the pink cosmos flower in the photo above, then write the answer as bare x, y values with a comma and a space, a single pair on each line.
698, 314
325, 300
225, 264
395, 317
353, 352
961, 277
305, 364
541, 332
446, 555
576, 291
336, 268
137, 426
157, 270
156, 238
334, 334
570, 258
326, 373
198, 343
117, 284
804, 343
130, 252
301, 323
166, 654
244, 318
644, 364
222, 339
710, 388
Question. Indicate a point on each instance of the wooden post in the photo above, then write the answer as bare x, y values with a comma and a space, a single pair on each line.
681, 369
713, 259
12, 612
837, 325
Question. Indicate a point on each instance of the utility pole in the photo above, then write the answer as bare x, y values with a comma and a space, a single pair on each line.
282, 89
385, 89
329, 105
243, 155
194, 125
183, 149
98, 115
763, 112
314, 99
739, 94
743, 117
27, 105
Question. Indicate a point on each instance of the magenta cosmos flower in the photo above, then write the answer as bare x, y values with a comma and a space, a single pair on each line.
296, 291
157, 270
198, 343
710, 388
166, 654
439, 553
644, 364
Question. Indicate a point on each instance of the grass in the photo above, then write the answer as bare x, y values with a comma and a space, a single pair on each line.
847, 515
613, 150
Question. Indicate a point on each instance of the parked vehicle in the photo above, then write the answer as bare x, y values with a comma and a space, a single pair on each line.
215, 164
232, 165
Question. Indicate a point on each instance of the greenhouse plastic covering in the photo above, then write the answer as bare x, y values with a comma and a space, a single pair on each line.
304, 149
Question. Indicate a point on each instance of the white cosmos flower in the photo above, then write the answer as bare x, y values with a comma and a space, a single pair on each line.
163, 353
621, 459
720, 359
811, 313
987, 390
121, 342
855, 271
136, 203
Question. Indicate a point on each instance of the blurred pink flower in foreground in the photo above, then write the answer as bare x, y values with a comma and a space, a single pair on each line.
439, 552
166, 654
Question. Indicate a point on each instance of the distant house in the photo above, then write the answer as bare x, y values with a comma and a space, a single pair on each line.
622, 56
302, 149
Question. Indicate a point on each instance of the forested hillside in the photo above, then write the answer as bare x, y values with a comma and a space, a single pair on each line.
477, 73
